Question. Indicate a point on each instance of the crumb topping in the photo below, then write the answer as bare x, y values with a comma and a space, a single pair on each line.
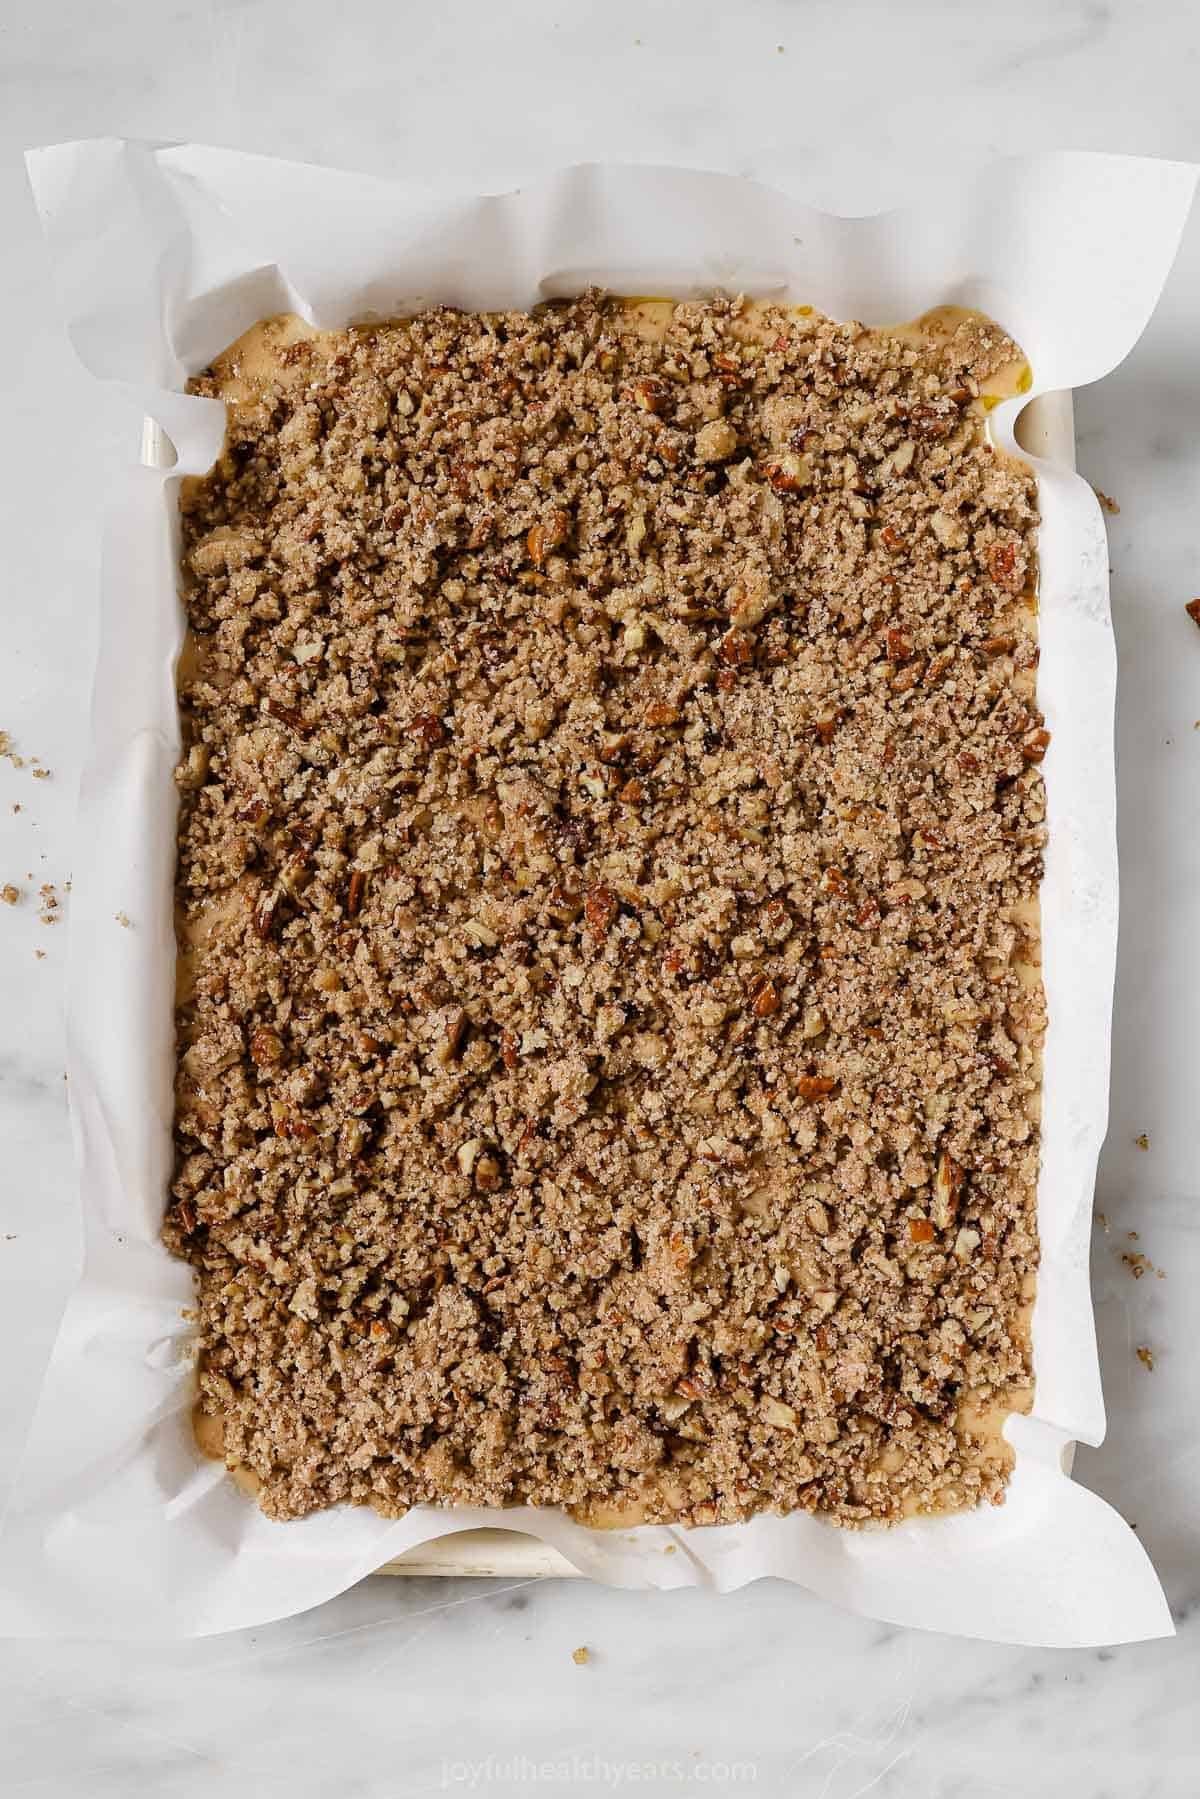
610, 833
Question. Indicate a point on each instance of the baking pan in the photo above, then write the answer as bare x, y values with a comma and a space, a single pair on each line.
1046, 428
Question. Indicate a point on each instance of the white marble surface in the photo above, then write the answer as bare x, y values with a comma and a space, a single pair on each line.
402, 1687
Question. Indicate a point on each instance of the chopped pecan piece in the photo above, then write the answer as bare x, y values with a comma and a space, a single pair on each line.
947, 1190
266, 1046
764, 997
264, 912
736, 649
1002, 566
548, 535
428, 730
600, 909
650, 394
287, 715
789, 473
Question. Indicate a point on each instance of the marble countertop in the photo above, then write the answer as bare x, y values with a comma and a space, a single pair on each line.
401, 1687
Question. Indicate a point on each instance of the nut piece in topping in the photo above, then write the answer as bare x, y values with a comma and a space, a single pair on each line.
1004, 568
600, 909
264, 913
193, 770
947, 1190
468, 1154
764, 1000
949, 531
547, 535
736, 650
650, 394
451, 1040
789, 473
266, 1046
427, 729
488, 1174
715, 441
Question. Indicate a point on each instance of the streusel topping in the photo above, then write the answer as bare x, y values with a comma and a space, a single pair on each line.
611, 829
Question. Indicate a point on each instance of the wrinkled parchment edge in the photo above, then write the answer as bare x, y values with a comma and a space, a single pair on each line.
121, 792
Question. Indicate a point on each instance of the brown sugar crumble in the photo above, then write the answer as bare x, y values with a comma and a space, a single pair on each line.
611, 826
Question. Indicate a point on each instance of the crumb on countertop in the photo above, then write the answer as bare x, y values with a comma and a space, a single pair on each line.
123, 919
1107, 503
7, 752
1193, 611
1143, 1141
1139, 1264
581, 1657
10, 894
1146, 1357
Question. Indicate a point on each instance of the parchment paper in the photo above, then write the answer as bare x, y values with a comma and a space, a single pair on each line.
163, 255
